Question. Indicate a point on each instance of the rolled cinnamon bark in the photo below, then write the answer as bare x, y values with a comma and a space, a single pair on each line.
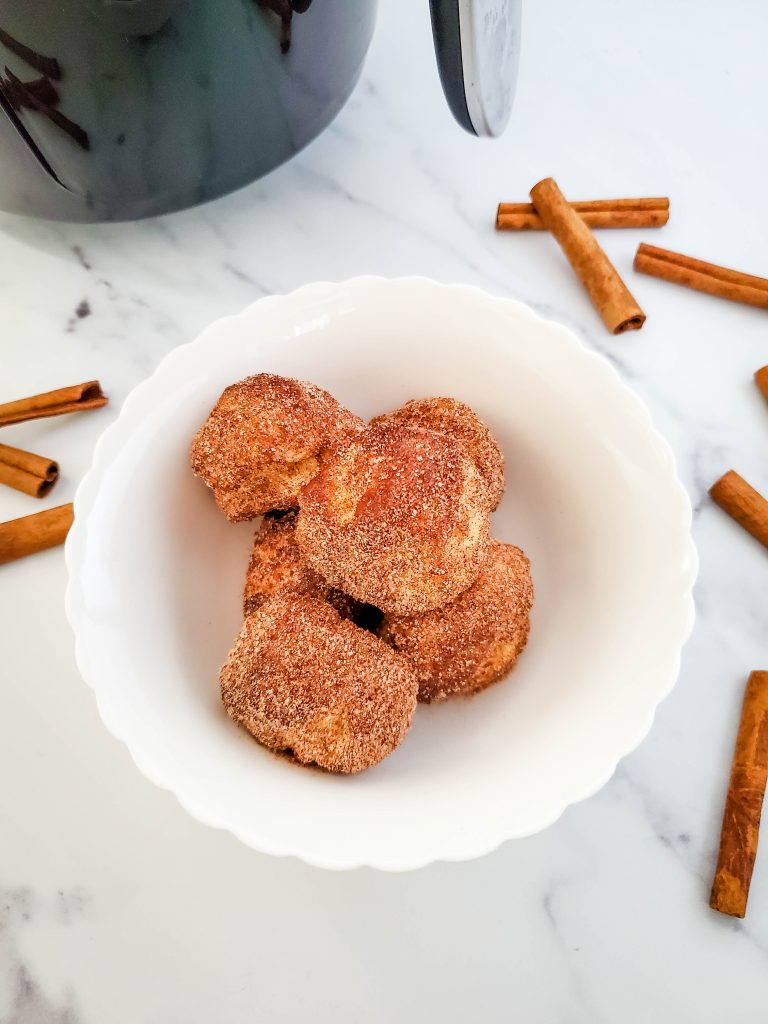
744, 803
26, 472
703, 277
26, 536
743, 503
596, 213
761, 379
54, 403
609, 294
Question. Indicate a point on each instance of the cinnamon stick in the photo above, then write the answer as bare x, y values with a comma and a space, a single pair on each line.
54, 403
704, 277
743, 805
596, 213
29, 473
25, 536
761, 379
743, 503
609, 294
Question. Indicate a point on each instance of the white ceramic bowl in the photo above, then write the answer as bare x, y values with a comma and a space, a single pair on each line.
156, 574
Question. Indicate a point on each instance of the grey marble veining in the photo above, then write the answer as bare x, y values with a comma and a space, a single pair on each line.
22, 910
114, 904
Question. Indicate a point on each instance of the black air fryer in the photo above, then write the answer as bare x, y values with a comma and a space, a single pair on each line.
118, 109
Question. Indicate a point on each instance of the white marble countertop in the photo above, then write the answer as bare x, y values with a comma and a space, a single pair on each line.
114, 904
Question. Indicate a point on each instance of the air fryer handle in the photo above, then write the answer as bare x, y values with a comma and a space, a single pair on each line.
477, 43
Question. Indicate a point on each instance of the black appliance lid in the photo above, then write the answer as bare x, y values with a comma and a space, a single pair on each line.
477, 44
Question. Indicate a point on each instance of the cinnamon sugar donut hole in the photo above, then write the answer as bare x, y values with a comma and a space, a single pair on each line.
277, 566
302, 679
475, 640
398, 519
264, 439
449, 416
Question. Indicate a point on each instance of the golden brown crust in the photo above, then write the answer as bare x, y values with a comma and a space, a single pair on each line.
398, 519
300, 678
277, 566
449, 416
264, 439
475, 640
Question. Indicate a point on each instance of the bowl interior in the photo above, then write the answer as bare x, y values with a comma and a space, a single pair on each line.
591, 497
